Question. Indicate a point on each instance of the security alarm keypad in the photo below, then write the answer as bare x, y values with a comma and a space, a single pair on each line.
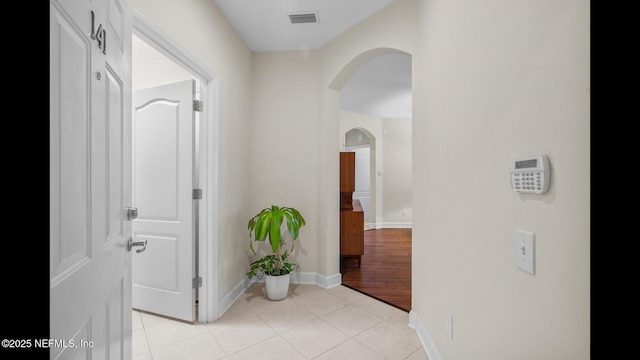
530, 174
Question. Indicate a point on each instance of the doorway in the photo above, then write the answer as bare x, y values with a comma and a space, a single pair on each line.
206, 158
376, 101
165, 168
362, 142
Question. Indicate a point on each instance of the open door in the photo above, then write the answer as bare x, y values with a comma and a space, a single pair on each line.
163, 162
89, 179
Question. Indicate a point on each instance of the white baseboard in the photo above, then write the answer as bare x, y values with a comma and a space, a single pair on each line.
325, 282
303, 278
427, 342
394, 225
225, 303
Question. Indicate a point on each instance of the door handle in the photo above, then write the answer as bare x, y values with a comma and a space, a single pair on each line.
131, 244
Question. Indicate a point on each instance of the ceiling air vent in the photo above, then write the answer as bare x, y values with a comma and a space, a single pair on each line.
304, 17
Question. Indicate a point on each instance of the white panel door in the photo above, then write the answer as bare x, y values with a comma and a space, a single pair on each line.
90, 179
163, 148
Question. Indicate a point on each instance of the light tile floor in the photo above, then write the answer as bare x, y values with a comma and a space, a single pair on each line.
311, 323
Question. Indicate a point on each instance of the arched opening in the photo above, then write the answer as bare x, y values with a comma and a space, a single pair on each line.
375, 120
363, 143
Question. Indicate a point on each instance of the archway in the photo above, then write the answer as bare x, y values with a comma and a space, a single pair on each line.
362, 141
342, 82
352, 66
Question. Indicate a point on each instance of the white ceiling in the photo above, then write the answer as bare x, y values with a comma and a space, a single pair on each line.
265, 26
381, 88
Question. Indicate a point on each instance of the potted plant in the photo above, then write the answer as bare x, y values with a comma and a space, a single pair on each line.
267, 225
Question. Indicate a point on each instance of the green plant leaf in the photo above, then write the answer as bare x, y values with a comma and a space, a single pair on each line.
294, 222
301, 221
251, 246
292, 225
274, 233
288, 266
262, 225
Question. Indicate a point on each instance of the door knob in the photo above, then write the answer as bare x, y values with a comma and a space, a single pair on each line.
132, 213
131, 244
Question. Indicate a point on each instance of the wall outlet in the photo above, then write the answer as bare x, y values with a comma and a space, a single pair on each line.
404, 211
449, 324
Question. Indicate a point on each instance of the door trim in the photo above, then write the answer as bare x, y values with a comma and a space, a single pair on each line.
147, 30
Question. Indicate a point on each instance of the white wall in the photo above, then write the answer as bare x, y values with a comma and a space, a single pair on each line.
284, 143
495, 80
397, 173
202, 31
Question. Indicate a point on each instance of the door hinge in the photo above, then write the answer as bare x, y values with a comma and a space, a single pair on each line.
197, 105
197, 282
197, 194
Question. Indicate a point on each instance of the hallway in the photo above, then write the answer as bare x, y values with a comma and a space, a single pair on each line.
385, 272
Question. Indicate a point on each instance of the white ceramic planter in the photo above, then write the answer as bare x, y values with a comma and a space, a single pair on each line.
277, 286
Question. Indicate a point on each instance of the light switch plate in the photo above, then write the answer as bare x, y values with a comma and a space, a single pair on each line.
525, 250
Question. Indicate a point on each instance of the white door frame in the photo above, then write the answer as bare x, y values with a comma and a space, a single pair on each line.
145, 29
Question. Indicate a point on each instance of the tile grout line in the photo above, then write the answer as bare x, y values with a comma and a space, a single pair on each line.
219, 344
390, 318
146, 338
319, 318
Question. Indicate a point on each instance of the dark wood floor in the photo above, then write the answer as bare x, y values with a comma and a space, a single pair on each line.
385, 271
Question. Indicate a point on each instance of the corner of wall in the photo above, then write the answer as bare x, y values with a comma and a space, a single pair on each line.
226, 301
427, 342
328, 282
